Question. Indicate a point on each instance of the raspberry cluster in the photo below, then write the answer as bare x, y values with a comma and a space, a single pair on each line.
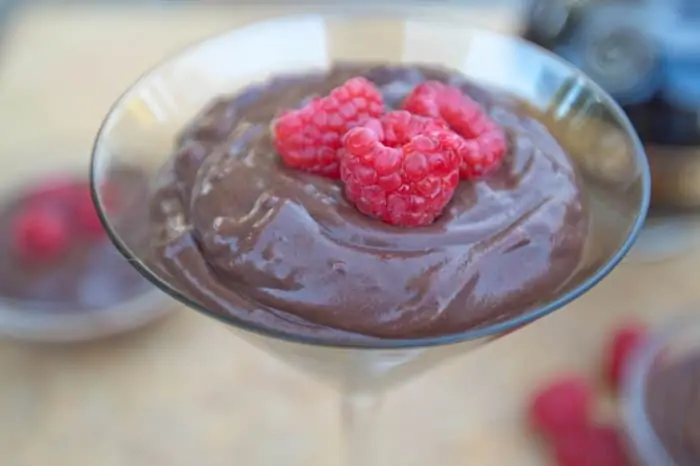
562, 409
399, 166
52, 215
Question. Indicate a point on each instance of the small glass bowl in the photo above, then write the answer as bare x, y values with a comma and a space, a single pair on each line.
32, 322
49, 327
670, 346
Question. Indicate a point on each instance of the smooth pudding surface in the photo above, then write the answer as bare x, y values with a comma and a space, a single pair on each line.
245, 235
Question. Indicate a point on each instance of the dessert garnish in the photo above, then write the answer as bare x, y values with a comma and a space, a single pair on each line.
619, 349
483, 141
401, 167
53, 215
562, 409
561, 404
309, 138
590, 445
40, 234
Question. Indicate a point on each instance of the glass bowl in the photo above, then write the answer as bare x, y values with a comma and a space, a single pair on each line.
665, 355
142, 126
42, 322
45, 326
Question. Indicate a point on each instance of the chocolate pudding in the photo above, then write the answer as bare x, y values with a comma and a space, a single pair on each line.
282, 249
673, 404
87, 273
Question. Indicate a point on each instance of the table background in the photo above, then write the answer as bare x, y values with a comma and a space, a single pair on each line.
186, 391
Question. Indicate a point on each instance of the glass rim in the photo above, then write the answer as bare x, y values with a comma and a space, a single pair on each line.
642, 435
379, 344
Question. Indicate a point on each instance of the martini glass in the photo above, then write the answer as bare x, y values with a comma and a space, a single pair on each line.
141, 128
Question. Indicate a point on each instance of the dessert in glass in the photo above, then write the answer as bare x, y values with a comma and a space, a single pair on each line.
660, 405
365, 210
61, 278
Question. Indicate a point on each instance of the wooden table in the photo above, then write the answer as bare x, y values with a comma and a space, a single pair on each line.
186, 391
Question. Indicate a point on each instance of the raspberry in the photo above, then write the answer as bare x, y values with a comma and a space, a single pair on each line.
309, 138
402, 169
619, 350
484, 143
39, 234
560, 405
590, 446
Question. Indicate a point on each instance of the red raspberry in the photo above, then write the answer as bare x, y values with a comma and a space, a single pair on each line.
39, 234
560, 405
619, 350
590, 446
484, 145
309, 138
402, 169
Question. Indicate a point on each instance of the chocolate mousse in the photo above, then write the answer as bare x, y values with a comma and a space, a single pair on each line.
673, 404
246, 236
56, 256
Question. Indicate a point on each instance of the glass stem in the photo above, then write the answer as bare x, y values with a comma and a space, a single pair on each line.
359, 414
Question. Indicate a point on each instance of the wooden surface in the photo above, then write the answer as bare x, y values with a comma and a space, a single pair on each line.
187, 391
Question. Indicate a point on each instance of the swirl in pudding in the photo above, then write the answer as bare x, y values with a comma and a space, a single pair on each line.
245, 235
